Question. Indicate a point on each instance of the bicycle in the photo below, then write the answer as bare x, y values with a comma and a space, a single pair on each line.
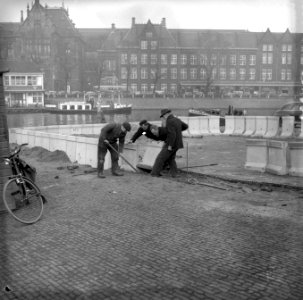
22, 192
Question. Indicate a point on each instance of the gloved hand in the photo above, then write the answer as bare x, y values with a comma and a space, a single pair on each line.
106, 141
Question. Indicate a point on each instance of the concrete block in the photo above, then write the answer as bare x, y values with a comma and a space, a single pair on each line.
295, 158
250, 125
272, 126
261, 126
256, 154
229, 125
239, 125
149, 154
214, 124
288, 126
278, 159
194, 127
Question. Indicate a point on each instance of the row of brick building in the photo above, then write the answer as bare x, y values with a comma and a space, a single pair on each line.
150, 58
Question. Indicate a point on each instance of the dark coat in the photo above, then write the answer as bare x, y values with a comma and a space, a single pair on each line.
148, 133
112, 132
174, 128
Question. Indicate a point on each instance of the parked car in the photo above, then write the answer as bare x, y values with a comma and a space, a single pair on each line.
294, 109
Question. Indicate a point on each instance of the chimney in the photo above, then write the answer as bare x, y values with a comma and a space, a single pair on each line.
22, 16
163, 22
113, 26
133, 21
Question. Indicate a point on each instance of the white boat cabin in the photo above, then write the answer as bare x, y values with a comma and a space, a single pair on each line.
75, 106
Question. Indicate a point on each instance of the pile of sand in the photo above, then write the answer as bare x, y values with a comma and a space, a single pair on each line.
43, 155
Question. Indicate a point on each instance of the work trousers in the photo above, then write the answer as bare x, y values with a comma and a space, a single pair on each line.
165, 157
102, 150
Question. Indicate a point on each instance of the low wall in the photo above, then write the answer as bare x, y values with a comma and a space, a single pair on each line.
79, 149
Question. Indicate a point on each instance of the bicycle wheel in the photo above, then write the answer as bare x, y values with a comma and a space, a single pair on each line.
23, 200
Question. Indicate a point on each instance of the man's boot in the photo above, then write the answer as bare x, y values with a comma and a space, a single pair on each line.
115, 169
100, 169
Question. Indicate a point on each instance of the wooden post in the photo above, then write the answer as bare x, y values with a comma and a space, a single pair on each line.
5, 170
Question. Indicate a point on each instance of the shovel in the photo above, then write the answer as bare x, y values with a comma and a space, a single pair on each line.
122, 157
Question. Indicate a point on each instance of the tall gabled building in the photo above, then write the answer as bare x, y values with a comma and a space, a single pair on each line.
48, 38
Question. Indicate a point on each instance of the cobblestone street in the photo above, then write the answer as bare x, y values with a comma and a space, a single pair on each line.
140, 237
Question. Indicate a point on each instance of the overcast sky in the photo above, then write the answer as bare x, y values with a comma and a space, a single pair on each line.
253, 15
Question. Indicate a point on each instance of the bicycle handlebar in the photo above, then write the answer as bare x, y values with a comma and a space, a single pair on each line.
17, 150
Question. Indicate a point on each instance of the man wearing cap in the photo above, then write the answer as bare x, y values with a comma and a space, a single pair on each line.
173, 143
108, 138
144, 128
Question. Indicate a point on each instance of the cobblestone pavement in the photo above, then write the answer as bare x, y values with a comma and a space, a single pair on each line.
140, 237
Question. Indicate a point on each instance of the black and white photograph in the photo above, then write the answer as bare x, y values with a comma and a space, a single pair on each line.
151, 149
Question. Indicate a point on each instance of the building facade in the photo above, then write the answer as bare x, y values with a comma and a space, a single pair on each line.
151, 59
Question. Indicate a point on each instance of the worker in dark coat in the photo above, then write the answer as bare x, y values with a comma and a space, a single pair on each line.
173, 143
109, 136
144, 128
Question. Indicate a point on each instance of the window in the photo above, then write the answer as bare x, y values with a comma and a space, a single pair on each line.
144, 87
124, 58
18, 80
213, 60
203, 60
153, 45
223, 60
183, 59
153, 59
133, 87
242, 73
31, 80
149, 34
143, 45
72, 107
202, 74
222, 73
287, 47
153, 73
173, 73
288, 74
163, 59
286, 58
267, 58
301, 59
242, 60
252, 60
232, 74
183, 74
133, 59
233, 59
6, 80
144, 59
213, 74
193, 59
266, 74
193, 73
79, 107
133, 73
163, 73
252, 74
144, 73
283, 74
173, 59
37, 97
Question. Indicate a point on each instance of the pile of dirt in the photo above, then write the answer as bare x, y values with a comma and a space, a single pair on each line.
43, 155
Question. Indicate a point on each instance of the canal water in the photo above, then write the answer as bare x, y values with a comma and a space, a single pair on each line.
47, 119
